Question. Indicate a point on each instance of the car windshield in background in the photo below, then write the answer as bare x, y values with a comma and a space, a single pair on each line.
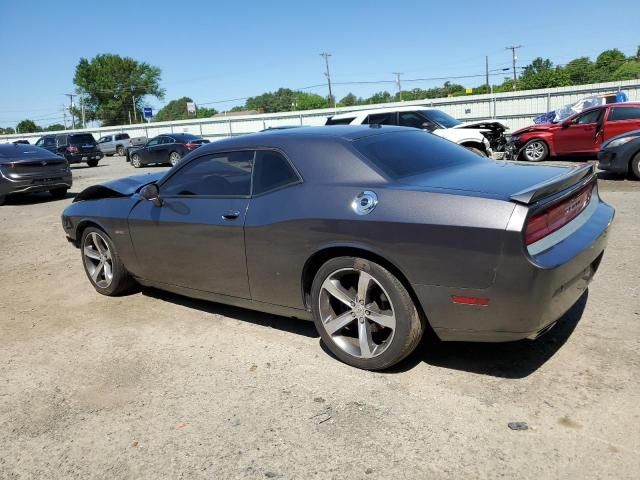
441, 118
340, 121
82, 138
406, 154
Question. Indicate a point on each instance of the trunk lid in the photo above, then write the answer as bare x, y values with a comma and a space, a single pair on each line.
514, 181
17, 161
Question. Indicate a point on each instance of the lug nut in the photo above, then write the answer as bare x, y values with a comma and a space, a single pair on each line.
367, 312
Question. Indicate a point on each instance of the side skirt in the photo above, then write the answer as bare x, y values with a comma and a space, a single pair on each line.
229, 300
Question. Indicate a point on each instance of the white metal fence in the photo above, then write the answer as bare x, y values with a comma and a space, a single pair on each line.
515, 109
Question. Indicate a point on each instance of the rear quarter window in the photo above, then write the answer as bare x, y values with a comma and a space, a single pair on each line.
340, 121
624, 113
82, 138
405, 154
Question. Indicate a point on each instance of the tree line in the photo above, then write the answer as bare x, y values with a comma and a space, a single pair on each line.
113, 89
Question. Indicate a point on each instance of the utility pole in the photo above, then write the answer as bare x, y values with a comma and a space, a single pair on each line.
397, 74
513, 49
486, 63
73, 117
64, 116
328, 75
84, 124
135, 115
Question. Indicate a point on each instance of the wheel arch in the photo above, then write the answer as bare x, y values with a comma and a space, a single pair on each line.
86, 223
315, 261
474, 144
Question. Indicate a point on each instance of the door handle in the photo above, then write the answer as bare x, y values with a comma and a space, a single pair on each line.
231, 215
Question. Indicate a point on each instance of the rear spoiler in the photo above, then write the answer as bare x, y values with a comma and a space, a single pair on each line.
582, 174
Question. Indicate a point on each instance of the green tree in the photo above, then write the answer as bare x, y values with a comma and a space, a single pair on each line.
54, 127
380, 97
114, 86
349, 100
310, 101
7, 131
627, 71
28, 126
177, 110
607, 63
580, 70
542, 74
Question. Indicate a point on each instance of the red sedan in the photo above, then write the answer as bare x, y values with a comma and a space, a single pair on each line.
582, 133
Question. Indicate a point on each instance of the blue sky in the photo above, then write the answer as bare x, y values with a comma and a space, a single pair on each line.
215, 51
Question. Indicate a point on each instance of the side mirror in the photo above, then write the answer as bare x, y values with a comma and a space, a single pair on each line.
566, 123
429, 126
151, 193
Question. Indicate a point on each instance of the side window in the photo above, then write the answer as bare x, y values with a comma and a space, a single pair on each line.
40, 142
49, 142
381, 119
619, 114
589, 117
272, 171
411, 119
167, 140
153, 141
220, 174
61, 140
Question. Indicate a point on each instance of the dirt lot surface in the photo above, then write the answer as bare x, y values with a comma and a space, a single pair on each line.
154, 385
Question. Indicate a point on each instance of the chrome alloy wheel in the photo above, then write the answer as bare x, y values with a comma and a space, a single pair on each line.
98, 260
534, 151
357, 313
174, 158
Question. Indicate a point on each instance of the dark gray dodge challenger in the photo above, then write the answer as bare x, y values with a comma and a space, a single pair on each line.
374, 233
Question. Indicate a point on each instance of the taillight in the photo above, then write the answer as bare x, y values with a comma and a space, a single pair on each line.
72, 149
557, 216
190, 146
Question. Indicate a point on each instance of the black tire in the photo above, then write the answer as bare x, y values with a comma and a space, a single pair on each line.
634, 166
92, 163
174, 158
120, 150
59, 193
535, 150
477, 151
121, 281
409, 325
136, 160
109, 154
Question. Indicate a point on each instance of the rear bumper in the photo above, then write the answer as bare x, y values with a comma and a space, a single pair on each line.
83, 157
616, 161
529, 293
35, 184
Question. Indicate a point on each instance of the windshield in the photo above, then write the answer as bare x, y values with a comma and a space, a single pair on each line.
405, 154
441, 118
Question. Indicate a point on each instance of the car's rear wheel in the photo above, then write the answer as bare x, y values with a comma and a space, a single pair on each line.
120, 150
58, 193
364, 314
635, 166
136, 161
174, 158
92, 163
535, 151
102, 264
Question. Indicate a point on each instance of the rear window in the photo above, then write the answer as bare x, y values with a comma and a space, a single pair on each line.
405, 154
82, 138
340, 121
122, 136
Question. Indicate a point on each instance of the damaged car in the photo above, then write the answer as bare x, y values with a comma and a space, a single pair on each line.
375, 234
485, 137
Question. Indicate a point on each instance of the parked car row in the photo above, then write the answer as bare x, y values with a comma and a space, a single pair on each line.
75, 147
169, 148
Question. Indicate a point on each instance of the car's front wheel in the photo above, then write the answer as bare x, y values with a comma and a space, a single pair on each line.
92, 163
635, 166
364, 314
535, 151
136, 161
174, 158
102, 264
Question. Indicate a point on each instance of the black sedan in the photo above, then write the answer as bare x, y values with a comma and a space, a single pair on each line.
165, 149
621, 154
28, 169
372, 233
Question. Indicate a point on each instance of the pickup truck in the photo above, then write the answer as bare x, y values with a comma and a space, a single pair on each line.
114, 143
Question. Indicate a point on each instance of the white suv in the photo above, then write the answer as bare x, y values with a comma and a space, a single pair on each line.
484, 137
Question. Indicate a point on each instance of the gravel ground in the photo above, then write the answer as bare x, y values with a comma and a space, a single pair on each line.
154, 385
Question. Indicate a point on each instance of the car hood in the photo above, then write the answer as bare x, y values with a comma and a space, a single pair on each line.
540, 127
122, 187
489, 178
486, 125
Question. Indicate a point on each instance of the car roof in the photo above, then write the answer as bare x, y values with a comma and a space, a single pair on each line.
355, 113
